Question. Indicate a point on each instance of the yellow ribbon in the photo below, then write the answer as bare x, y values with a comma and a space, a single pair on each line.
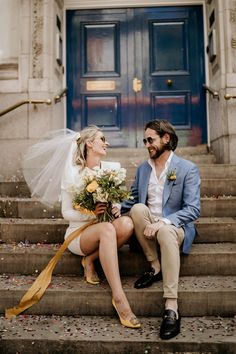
41, 283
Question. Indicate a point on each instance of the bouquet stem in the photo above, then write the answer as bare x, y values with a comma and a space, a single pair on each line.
107, 215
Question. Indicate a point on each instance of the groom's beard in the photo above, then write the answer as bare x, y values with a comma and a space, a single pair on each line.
159, 152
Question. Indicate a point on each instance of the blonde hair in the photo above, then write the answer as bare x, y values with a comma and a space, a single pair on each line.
87, 134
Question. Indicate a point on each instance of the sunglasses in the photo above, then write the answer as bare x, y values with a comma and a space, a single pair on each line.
149, 140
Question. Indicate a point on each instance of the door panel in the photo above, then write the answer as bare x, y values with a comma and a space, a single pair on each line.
102, 110
172, 70
167, 47
97, 73
162, 47
101, 59
101, 50
174, 107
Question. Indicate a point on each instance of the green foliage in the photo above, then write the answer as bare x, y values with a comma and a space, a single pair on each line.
105, 187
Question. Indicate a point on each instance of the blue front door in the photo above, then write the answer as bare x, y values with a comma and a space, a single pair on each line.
127, 66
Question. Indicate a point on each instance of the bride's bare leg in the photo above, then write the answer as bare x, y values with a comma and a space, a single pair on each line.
124, 230
89, 264
102, 236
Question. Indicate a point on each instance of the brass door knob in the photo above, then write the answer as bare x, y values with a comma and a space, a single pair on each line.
169, 82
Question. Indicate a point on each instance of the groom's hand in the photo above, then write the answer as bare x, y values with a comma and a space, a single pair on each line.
115, 211
151, 229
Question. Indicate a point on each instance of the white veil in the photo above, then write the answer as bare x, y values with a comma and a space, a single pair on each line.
44, 164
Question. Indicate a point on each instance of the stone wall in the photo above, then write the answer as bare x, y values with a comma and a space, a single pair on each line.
222, 78
28, 70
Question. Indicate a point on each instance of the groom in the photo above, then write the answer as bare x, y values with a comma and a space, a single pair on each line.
166, 201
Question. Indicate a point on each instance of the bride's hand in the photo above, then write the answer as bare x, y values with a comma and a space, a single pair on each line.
100, 208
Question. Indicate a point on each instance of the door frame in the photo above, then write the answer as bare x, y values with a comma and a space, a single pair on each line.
103, 4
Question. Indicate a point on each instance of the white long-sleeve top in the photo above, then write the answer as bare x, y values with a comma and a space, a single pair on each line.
73, 177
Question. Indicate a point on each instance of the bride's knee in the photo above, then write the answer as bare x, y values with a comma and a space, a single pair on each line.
128, 225
107, 230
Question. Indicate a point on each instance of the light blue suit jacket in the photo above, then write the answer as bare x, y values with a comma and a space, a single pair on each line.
181, 197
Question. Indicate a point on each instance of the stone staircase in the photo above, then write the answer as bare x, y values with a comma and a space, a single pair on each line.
75, 317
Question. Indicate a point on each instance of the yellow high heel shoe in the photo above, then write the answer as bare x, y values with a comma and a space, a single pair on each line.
94, 280
132, 323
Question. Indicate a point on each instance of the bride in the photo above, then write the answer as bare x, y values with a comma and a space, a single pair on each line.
51, 168
100, 240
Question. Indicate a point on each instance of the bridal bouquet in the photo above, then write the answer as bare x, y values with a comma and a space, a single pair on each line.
101, 186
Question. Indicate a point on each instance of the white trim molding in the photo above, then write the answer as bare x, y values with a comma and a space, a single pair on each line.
102, 4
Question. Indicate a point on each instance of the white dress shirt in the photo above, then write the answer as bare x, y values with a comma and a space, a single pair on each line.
155, 190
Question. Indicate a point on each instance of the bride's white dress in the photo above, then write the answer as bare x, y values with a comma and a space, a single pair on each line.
72, 177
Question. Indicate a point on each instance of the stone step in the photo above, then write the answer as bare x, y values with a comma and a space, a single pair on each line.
218, 206
210, 230
218, 187
32, 230
138, 155
208, 172
27, 334
27, 208
198, 296
128, 158
217, 171
142, 151
209, 186
213, 230
14, 189
204, 259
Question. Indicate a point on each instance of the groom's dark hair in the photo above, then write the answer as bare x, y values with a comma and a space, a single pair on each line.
163, 127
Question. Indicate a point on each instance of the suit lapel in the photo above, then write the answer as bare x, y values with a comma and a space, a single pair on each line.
169, 184
144, 182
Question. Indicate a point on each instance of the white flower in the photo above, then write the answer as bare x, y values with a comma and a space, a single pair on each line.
121, 176
101, 196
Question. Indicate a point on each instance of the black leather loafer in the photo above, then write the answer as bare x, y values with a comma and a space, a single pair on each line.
147, 279
170, 326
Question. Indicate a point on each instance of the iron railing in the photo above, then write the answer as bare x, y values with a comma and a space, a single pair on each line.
214, 93
61, 94
56, 99
21, 103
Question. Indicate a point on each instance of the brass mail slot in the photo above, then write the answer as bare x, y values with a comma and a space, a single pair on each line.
100, 85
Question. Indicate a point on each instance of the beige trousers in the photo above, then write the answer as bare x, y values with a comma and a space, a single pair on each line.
169, 239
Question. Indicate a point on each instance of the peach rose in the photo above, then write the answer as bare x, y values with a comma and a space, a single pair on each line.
91, 187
